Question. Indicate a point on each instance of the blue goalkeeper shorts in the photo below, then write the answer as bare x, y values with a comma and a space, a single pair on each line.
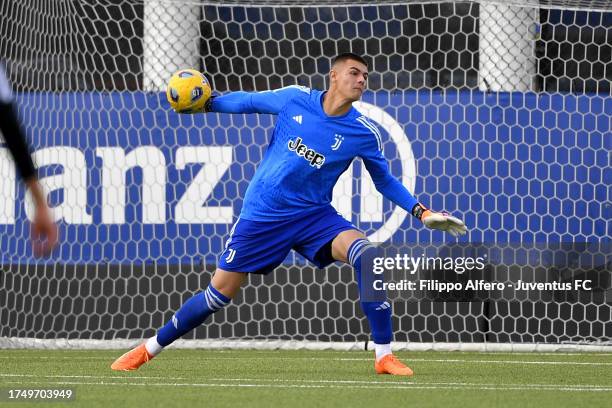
260, 246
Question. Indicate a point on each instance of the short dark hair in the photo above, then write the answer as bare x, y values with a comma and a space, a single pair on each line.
349, 56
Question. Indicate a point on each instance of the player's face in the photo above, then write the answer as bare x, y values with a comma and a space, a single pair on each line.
351, 78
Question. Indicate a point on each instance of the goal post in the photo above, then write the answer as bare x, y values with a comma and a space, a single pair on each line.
496, 111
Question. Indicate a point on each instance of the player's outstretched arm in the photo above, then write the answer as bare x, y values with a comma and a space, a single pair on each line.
189, 92
396, 192
271, 102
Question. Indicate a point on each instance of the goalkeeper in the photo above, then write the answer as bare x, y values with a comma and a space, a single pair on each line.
287, 204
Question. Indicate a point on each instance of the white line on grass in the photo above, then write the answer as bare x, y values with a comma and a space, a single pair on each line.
406, 386
491, 353
416, 383
411, 384
274, 352
88, 376
509, 362
408, 359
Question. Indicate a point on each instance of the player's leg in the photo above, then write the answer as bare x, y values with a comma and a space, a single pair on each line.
326, 237
353, 248
222, 288
252, 247
374, 304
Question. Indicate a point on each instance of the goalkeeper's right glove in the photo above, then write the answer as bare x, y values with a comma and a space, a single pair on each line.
439, 220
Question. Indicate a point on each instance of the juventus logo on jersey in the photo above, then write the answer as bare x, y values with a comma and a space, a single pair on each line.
230, 256
338, 139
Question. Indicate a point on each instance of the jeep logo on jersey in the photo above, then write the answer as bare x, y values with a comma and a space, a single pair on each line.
315, 159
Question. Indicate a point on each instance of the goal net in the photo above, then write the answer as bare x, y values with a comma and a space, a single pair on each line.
496, 111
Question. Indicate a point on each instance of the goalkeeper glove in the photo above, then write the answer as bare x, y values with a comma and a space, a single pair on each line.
439, 220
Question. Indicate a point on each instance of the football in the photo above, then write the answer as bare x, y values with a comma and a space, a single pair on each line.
188, 90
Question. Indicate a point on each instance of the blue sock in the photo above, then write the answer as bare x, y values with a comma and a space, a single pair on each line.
192, 314
373, 302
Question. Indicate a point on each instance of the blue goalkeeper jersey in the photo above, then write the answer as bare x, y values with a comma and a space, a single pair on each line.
308, 152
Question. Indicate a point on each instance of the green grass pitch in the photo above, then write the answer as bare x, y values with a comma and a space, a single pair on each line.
207, 378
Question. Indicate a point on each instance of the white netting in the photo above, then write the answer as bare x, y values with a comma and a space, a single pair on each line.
497, 112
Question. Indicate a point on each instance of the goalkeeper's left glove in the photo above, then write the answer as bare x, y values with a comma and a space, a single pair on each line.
440, 221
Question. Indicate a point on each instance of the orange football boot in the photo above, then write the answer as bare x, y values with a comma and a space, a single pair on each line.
132, 359
389, 364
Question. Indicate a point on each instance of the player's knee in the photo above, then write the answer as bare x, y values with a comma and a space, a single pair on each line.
228, 283
343, 242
